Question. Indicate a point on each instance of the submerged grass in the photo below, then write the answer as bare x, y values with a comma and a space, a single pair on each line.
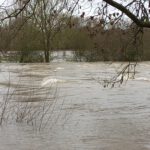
28, 102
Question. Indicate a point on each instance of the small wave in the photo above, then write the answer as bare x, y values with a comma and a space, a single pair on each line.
50, 81
59, 68
142, 79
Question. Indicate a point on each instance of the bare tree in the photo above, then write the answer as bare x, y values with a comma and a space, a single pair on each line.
49, 18
136, 10
113, 13
108, 12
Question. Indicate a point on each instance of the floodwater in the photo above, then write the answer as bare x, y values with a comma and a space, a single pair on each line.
59, 106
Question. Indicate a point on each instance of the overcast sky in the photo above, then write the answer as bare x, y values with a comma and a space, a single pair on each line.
88, 7
4, 2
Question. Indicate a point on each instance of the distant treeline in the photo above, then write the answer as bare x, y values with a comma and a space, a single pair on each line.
90, 41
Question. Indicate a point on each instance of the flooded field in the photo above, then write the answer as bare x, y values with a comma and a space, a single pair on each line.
59, 106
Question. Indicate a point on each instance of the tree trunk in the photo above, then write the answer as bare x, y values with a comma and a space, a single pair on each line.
22, 56
46, 53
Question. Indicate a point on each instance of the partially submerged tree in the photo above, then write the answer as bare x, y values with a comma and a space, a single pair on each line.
46, 12
50, 19
112, 13
48, 16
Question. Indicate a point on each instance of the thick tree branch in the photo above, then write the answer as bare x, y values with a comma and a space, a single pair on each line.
16, 12
123, 9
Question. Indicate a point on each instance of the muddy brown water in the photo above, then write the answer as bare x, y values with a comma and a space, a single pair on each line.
82, 114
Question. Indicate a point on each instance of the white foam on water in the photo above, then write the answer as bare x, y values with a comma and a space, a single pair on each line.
59, 68
50, 81
142, 79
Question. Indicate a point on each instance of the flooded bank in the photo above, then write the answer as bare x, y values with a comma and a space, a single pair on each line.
59, 106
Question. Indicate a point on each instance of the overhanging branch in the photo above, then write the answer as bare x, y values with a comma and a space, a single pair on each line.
123, 9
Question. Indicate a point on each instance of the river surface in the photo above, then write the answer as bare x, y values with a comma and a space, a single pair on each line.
59, 106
